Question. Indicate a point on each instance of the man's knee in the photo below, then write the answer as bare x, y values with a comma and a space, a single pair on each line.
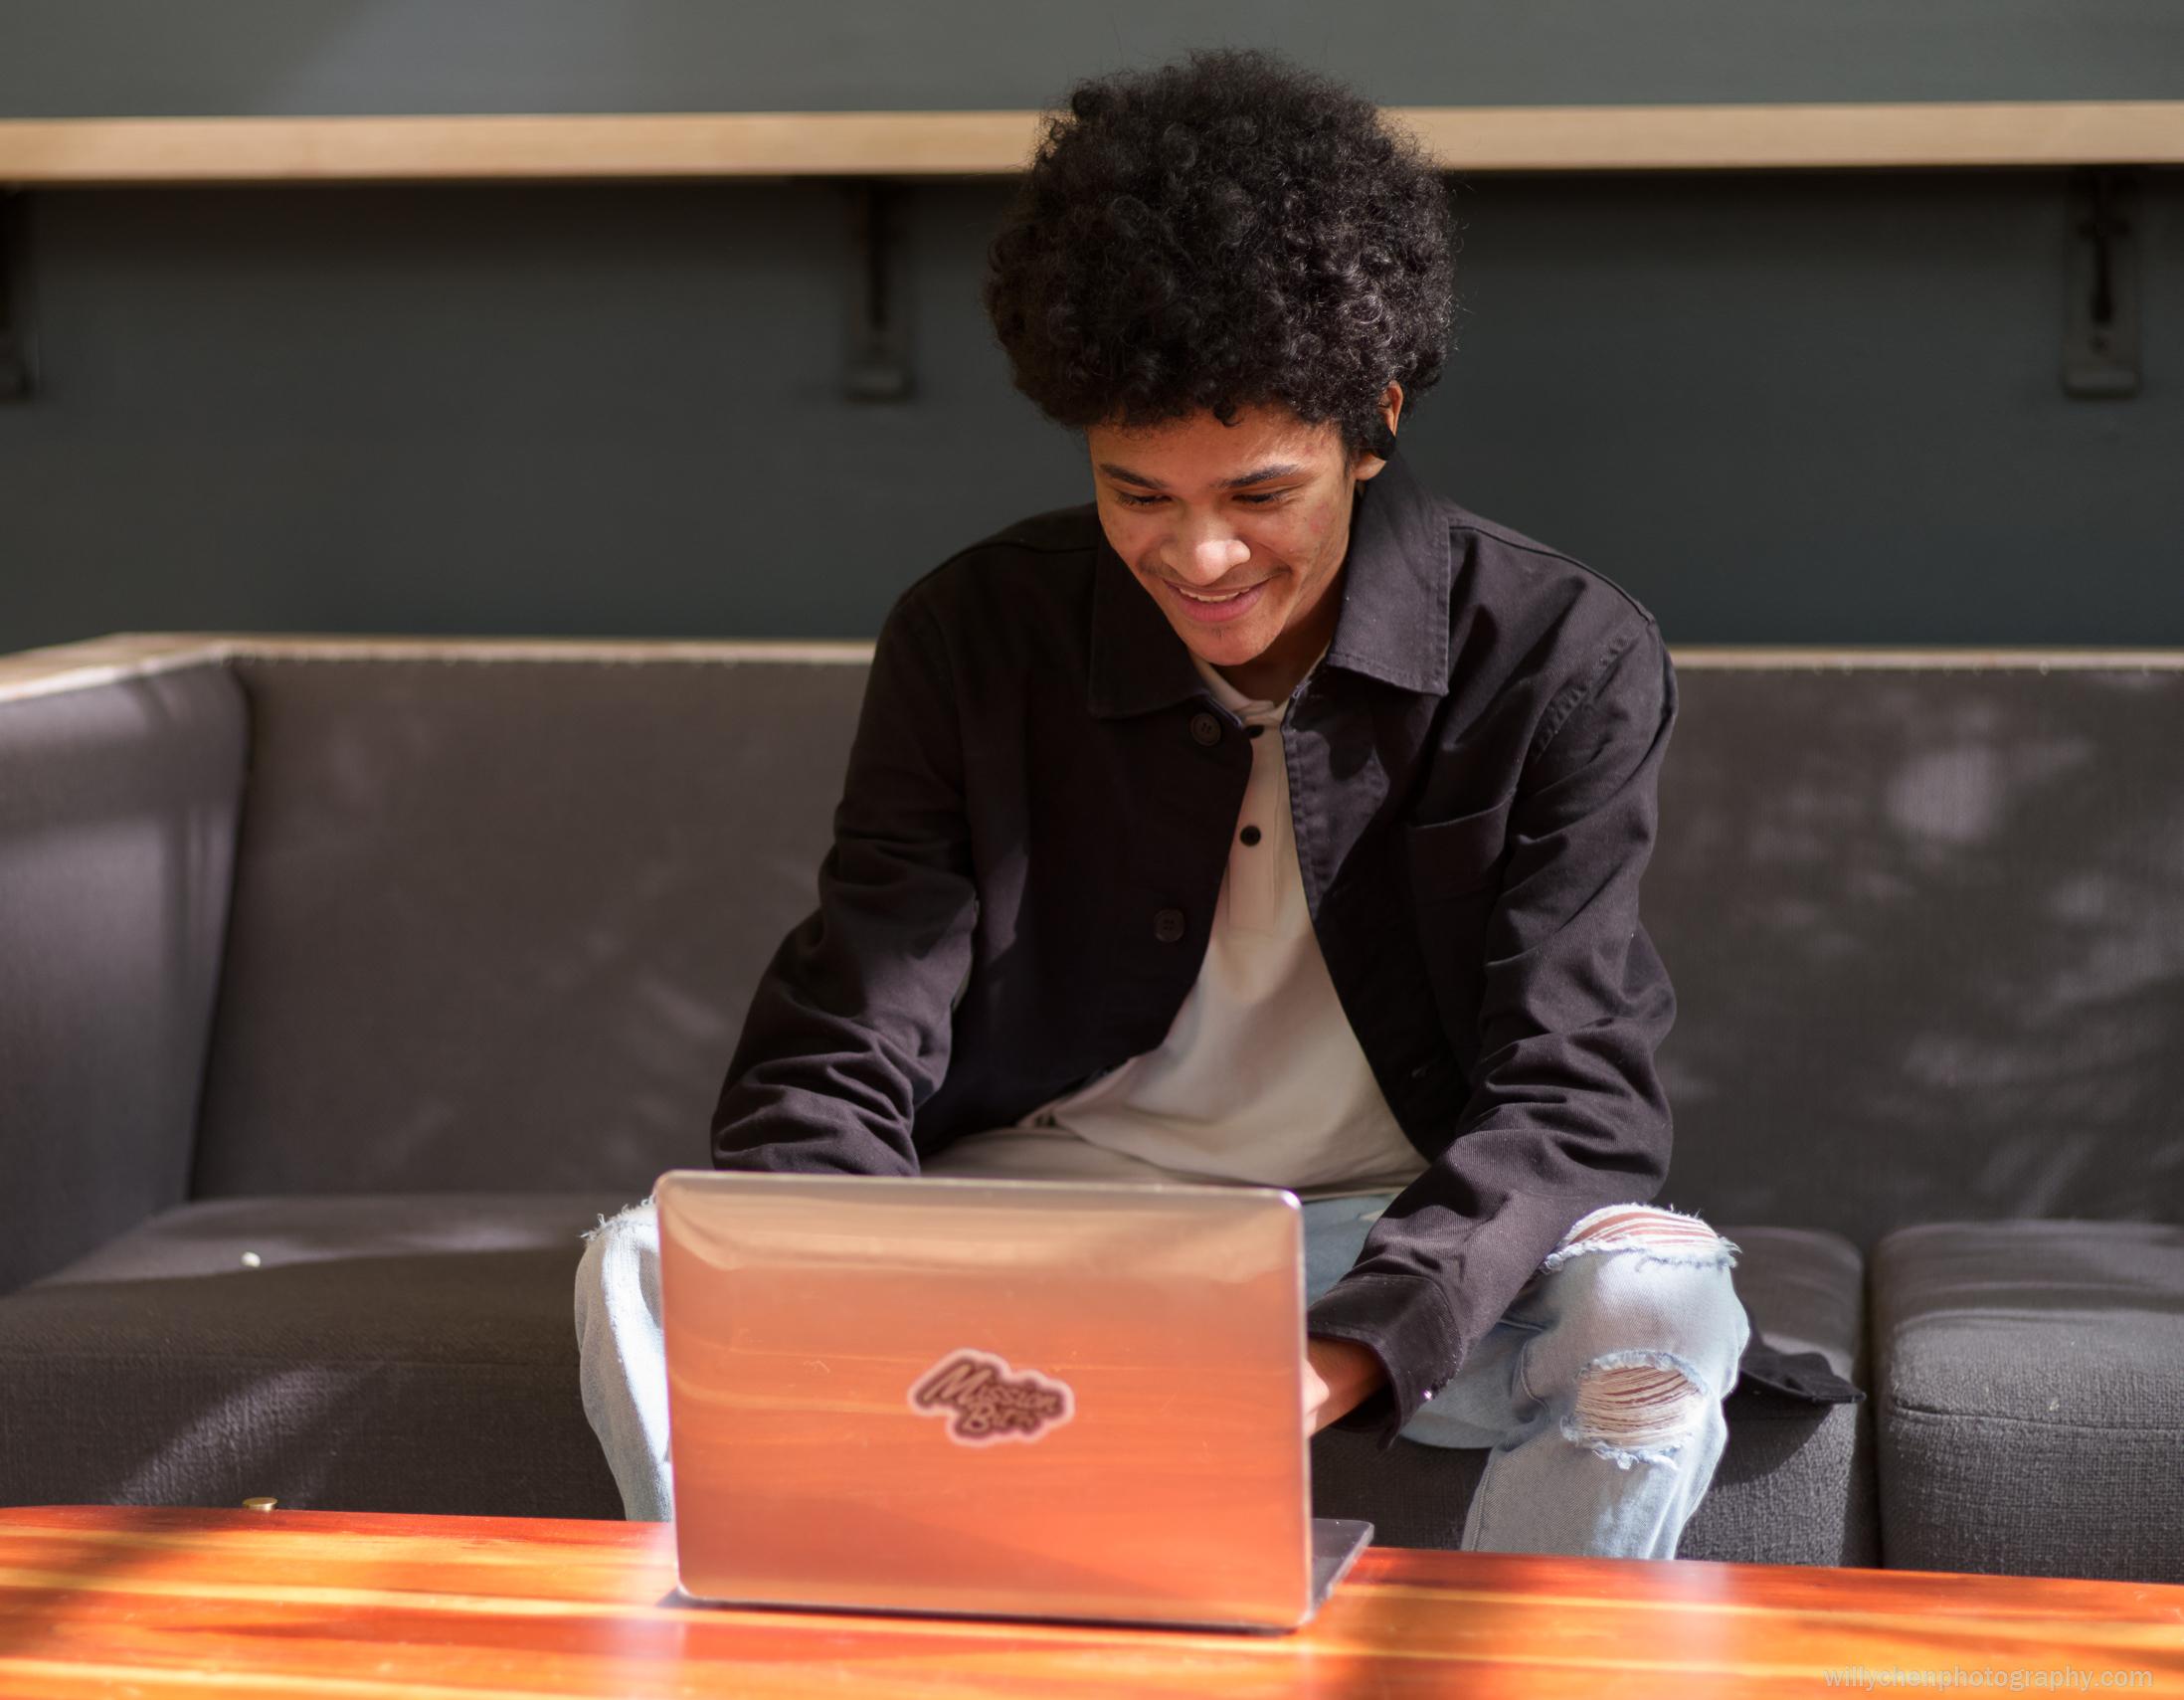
634, 1224
1654, 1231
1663, 1327
617, 1257
1637, 1406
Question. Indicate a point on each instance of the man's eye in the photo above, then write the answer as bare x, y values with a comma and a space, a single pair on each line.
1129, 500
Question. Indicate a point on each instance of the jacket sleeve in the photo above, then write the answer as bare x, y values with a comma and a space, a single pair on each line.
1566, 1111
848, 1030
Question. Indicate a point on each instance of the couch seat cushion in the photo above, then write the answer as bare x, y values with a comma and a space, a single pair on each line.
2031, 1386
413, 1353
1795, 1485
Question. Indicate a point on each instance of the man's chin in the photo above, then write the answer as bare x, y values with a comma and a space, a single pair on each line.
1232, 645
1223, 649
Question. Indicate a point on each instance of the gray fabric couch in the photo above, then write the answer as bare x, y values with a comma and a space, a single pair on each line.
342, 981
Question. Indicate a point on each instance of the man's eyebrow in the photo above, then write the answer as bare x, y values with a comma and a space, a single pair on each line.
1286, 470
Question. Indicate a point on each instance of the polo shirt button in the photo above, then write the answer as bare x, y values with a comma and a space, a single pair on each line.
1205, 728
1168, 926
1250, 834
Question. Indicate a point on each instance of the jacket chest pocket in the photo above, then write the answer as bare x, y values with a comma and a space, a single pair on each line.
1455, 867
1456, 858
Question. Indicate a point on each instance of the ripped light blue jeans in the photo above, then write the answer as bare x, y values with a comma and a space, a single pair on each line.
1599, 1393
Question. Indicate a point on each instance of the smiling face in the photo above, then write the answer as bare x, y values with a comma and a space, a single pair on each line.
1237, 532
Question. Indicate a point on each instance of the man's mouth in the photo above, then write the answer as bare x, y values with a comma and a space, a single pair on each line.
1216, 607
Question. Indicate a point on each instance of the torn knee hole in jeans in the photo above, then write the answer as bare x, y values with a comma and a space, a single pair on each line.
1636, 1407
1652, 1231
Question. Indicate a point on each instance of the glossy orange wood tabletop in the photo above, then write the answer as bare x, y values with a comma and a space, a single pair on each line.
111, 1601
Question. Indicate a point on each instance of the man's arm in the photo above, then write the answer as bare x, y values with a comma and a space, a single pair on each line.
1566, 1111
1339, 1376
848, 1031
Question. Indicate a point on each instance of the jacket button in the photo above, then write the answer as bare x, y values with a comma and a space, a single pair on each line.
1168, 926
1205, 728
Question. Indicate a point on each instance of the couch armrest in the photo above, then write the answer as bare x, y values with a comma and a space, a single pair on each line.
121, 768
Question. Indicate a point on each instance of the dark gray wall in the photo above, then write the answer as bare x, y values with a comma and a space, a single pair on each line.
1780, 407
62, 58
1797, 407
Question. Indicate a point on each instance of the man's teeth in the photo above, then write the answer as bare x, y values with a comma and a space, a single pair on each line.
1196, 597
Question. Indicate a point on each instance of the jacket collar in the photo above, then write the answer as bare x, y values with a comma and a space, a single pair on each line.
1393, 623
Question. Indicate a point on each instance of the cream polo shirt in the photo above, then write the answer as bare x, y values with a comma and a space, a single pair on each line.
1260, 1078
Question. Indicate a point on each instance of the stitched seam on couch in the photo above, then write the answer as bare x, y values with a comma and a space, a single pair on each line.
1921, 1411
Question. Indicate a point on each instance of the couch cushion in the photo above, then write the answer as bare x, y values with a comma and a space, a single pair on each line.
506, 916
118, 821
1927, 931
2031, 1394
496, 923
1794, 1486
386, 1354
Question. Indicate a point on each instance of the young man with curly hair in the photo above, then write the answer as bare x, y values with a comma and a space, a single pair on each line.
1269, 819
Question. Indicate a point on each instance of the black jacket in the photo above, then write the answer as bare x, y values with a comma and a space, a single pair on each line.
1031, 842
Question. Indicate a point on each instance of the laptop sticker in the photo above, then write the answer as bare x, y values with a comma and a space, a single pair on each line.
983, 1399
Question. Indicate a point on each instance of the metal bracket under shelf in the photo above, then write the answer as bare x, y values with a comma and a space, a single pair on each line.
2100, 285
15, 352
878, 368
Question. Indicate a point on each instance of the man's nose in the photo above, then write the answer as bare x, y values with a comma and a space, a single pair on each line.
1210, 554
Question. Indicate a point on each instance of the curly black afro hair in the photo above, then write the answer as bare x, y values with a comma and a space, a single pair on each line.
1227, 231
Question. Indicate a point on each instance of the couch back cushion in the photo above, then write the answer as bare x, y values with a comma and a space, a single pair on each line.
118, 818
1926, 929
498, 922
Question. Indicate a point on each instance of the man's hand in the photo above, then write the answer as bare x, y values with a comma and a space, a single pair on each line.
1339, 1374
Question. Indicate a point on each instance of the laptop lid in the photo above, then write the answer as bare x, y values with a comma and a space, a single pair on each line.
1062, 1400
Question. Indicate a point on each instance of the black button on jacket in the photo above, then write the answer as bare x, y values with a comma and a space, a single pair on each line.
1035, 820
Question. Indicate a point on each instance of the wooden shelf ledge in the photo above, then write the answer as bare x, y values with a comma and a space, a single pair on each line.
583, 146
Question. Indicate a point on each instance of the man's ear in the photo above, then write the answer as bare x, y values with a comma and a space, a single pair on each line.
1371, 461
1392, 410
1383, 443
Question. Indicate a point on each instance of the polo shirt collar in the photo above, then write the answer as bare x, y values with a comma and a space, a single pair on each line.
1393, 623
1245, 709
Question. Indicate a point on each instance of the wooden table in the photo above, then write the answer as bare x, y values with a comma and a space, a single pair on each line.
101, 1599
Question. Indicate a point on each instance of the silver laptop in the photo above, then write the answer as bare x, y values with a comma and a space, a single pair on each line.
1069, 1401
